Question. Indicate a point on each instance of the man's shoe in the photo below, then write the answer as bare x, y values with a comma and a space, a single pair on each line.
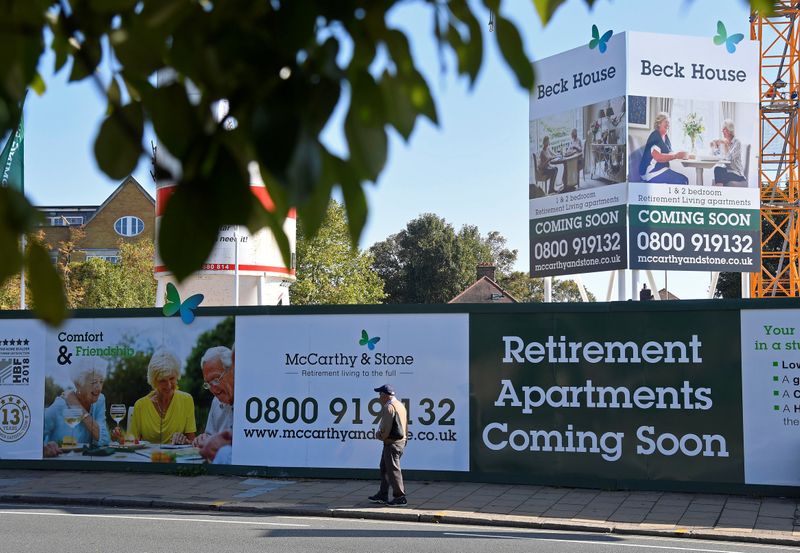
378, 498
398, 502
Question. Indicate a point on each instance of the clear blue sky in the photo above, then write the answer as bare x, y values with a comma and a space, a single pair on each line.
472, 169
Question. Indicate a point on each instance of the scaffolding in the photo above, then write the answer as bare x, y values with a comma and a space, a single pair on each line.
779, 39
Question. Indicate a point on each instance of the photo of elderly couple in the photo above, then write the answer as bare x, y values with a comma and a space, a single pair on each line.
167, 398
692, 142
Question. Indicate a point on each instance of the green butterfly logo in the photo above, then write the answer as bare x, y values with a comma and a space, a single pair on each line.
722, 37
600, 42
174, 304
367, 341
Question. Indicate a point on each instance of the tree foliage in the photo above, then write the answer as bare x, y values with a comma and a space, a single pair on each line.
526, 288
330, 270
283, 66
729, 285
98, 283
429, 262
9, 293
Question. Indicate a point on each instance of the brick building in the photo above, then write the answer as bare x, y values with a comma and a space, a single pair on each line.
128, 214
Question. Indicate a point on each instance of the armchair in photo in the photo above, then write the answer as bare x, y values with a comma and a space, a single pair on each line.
538, 188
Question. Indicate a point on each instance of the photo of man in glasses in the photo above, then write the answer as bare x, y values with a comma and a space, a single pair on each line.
218, 365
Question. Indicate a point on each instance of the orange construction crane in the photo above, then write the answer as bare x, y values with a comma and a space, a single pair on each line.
779, 38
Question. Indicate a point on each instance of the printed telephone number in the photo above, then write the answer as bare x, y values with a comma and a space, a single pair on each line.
349, 410
580, 245
700, 242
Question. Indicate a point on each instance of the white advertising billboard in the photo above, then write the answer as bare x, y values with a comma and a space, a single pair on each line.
22, 345
693, 144
645, 156
307, 399
105, 380
577, 159
771, 396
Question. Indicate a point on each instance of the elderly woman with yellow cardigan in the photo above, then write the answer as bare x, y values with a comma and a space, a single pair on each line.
165, 415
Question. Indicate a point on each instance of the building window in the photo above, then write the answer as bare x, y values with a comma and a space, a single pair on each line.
129, 226
61, 221
109, 258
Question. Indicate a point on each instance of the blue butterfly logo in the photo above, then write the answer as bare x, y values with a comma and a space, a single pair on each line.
722, 38
367, 341
186, 308
600, 42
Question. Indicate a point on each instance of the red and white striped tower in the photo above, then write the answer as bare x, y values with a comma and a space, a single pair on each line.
254, 273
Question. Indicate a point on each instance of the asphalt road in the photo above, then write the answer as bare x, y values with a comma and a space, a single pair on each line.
37, 529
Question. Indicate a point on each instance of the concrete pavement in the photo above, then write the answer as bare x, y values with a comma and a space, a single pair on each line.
705, 516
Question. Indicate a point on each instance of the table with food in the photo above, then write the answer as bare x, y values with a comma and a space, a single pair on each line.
130, 451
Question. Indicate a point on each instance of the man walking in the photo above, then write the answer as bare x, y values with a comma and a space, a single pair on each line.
392, 431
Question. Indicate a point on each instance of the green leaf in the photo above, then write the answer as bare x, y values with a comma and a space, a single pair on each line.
368, 147
38, 85
364, 126
118, 145
139, 48
399, 110
421, 97
22, 44
316, 205
511, 47
85, 59
174, 118
114, 95
16, 213
275, 131
323, 98
12, 257
546, 8
216, 194
180, 220
49, 302
61, 49
112, 6
366, 101
469, 50
275, 224
355, 201
764, 8
305, 168
397, 43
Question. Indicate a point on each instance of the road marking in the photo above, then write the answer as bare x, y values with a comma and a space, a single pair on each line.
590, 542
167, 519
518, 530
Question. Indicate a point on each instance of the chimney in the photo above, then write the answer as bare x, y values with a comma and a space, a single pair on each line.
485, 270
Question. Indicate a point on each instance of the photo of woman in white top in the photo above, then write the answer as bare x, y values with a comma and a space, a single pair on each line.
729, 148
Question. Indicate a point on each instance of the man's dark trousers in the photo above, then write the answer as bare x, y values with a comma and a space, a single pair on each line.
391, 476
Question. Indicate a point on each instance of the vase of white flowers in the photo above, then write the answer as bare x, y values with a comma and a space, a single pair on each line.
693, 127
